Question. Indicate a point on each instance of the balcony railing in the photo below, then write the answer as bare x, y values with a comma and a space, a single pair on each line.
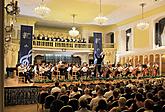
67, 45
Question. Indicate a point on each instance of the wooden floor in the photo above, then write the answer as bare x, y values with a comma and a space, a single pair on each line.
12, 82
22, 108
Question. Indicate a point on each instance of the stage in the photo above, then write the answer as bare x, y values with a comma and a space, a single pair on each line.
13, 82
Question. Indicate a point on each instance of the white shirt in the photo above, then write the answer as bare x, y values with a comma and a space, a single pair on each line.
84, 97
108, 94
120, 69
131, 69
69, 68
84, 69
55, 89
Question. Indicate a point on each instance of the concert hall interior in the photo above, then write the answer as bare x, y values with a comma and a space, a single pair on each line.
101, 55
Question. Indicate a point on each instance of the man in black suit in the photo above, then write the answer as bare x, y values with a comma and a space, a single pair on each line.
99, 62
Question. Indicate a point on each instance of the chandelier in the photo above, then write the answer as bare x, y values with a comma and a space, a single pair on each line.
42, 10
73, 32
101, 19
142, 25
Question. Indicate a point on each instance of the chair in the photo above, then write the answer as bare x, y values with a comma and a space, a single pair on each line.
129, 102
142, 109
110, 98
74, 103
156, 108
57, 74
56, 106
42, 76
133, 95
115, 104
48, 100
41, 100
125, 111
74, 75
65, 99
77, 96
89, 100
21, 77
163, 108
55, 94
66, 108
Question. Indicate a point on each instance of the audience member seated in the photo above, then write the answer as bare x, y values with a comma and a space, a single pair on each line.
109, 93
86, 95
149, 105
83, 106
74, 104
139, 102
102, 106
74, 92
121, 107
161, 96
64, 98
56, 88
94, 102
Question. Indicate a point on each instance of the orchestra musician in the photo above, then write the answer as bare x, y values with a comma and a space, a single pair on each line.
24, 70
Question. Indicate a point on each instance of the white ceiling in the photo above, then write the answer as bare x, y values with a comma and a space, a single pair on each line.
126, 9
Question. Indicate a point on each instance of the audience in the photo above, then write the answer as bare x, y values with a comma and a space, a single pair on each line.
144, 95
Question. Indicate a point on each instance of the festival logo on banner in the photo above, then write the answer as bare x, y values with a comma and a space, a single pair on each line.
97, 45
26, 45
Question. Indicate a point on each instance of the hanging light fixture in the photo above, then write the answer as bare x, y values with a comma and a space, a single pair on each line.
73, 32
142, 25
42, 10
101, 19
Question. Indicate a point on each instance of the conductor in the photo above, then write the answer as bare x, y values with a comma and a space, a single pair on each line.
99, 62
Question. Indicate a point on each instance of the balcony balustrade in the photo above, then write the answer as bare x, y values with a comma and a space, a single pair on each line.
67, 45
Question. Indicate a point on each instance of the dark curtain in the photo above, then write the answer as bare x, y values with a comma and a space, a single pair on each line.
157, 34
112, 37
127, 38
159, 27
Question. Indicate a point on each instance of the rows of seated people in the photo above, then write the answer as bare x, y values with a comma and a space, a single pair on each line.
114, 96
58, 39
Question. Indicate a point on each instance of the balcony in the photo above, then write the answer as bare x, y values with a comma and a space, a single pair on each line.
67, 45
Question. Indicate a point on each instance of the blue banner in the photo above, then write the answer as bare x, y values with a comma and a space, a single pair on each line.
97, 45
25, 53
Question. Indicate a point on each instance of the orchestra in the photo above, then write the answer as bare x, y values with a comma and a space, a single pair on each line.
88, 71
